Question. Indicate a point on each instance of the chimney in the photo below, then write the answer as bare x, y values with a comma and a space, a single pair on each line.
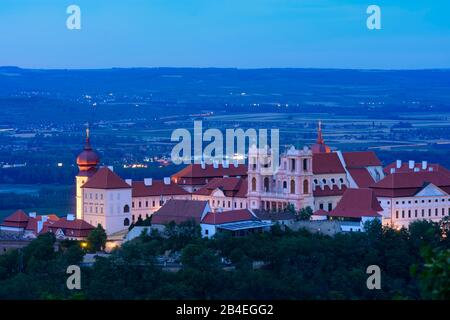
424, 165
70, 217
148, 181
40, 225
430, 169
111, 168
399, 164
416, 169
166, 180
129, 181
411, 164
32, 214
392, 170
225, 164
44, 219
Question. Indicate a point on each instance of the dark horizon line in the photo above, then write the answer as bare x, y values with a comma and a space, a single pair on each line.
226, 68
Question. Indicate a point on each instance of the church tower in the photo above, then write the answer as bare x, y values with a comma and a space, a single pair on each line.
87, 162
320, 146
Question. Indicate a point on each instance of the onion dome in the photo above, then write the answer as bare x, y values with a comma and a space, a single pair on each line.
88, 159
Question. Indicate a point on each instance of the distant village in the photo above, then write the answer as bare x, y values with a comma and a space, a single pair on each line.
317, 188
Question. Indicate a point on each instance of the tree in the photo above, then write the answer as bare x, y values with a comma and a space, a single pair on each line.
97, 239
435, 278
305, 213
290, 208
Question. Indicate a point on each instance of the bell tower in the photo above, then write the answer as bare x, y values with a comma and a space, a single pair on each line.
87, 162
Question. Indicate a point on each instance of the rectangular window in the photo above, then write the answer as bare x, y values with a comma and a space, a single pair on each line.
396, 214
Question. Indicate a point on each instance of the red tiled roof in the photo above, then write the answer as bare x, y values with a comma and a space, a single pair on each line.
18, 219
404, 184
227, 216
320, 212
231, 187
357, 203
179, 211
195, 174
361, 159
405, 168
157, 188
106, 179
361, 176
71, 228
324, 163
33, 222
328, 192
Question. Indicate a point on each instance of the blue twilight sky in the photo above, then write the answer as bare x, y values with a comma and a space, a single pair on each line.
225, 33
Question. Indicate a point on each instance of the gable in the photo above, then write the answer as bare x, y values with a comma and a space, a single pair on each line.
217, 193
431, 190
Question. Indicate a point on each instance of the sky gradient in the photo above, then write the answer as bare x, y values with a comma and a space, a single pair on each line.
225, 33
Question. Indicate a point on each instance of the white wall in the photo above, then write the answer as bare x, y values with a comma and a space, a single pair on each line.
106, 207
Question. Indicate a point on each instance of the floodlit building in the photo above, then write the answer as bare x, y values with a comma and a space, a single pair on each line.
150, 195
236, 222
195, 176
413, 191
227, 193
356, 207
32, 225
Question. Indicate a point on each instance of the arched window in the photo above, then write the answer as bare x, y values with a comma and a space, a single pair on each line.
284, 184
126, 209
292, 186
254, 184
266, 184
126, 222
305, 186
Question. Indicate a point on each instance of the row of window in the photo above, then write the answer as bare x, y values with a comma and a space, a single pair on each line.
329, 207
139, 204
99, 196
421, 201
285, 186
223, 203
423, 213
332, 180
99, 209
